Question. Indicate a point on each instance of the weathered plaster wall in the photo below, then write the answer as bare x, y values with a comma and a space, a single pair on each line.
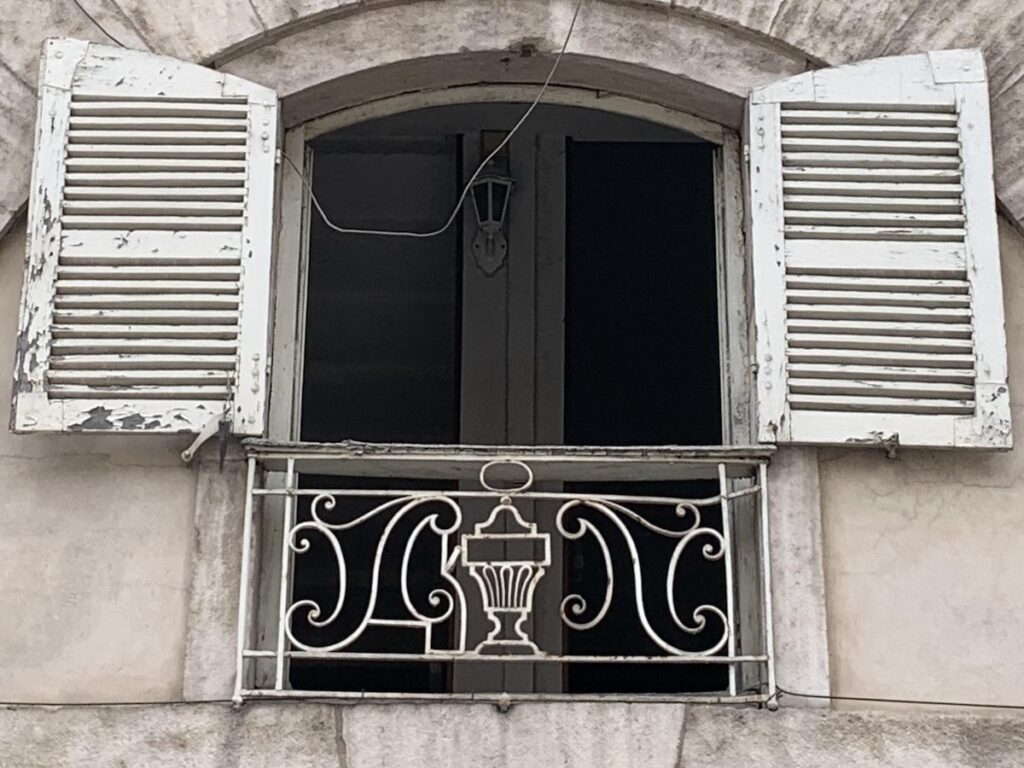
921, 552
308, 735
95, 539
923, 556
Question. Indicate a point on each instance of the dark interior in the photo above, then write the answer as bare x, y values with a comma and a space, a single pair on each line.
641, 368
382, 358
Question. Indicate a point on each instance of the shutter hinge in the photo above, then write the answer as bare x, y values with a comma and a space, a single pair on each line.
746, 154
218, 425
277, 156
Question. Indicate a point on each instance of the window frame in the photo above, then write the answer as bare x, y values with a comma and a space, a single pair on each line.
734, 291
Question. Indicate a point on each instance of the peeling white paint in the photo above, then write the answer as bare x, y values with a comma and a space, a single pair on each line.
147, 286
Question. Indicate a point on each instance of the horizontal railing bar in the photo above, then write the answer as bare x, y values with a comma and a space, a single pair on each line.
509, 698
419, 452
555, 463
509, 658
524, 496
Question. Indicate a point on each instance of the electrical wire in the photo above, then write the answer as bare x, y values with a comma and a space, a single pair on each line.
780, 692
98, 25
476, 174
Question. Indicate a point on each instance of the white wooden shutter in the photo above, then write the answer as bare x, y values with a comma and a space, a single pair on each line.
878, 295
146, 293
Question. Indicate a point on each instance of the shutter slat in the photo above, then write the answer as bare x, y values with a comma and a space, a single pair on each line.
129, 178
898, 234
93, 330
880, 372
830, 282
864, 203
152, 208
140, 392
878, 357
148, 272
177, 223
882, 388
884, 162
866, 298
880, 312
143, 362
890, 342
142, 301
870, 146
95, 287
153, 165
125, 260
881, 404
134, 138
880, 328
138, 123
155, 151
874, 189
147, 316
872, 175
156, 108
190, 346
874, 219
865, 116
903, 131
153, 193
168, 377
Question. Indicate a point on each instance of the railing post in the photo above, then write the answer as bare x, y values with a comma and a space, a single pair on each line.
723, 490
286, 561
766, 580
243, 585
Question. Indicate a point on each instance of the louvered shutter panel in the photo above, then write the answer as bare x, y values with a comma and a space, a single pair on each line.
877, 288
148, 269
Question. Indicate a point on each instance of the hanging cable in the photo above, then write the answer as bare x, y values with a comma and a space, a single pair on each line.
469, 184
488, 698
780, 691
98, 25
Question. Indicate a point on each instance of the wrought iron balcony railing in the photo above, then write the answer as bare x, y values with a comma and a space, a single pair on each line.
483, 572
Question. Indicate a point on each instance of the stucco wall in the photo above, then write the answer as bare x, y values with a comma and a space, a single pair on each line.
923, 556
95, 539
312, 735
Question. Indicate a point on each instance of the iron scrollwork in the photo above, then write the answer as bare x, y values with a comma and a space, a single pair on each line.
506, 555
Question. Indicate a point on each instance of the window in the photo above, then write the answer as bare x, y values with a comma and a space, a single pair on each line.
566, 318
517, 339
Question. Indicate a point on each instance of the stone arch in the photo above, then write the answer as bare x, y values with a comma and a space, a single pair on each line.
677, 60
701, 56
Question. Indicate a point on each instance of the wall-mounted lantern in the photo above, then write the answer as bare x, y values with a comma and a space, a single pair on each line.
490, 204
